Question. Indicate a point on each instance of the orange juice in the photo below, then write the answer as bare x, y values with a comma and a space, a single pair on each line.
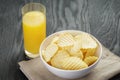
34, 30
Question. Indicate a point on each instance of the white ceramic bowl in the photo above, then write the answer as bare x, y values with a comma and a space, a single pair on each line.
69, 74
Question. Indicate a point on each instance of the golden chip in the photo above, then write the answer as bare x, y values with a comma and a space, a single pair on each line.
90, 60
59, 56
73, 63
50, 52
86, 41
88, 44
78, 54
55, 39
76, 47
90, 52
75, 50
65, 40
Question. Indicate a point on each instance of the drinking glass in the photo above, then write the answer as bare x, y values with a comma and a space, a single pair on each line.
34, 27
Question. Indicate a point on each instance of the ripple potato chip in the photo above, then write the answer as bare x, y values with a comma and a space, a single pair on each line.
50, 52
76, 47
65, 40
73, 63
75, 50
55, 39
59, 56
88, 44
90, 60
77, 54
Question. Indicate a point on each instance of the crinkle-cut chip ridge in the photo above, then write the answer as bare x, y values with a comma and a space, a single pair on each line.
86, 41
50, 52
59, 56
65, 40
76, 47
90, 52
73, 63
55, 39
90, 60
88, 44
78, 54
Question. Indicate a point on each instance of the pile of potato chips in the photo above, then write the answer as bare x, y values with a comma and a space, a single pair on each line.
70, 52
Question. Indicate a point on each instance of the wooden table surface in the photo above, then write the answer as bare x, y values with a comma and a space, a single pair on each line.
98, 17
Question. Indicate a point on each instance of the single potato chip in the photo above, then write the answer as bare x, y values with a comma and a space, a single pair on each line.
88, 44
90, 52
73, 63
90, 60
76, 47
59, 56
86, 40
50, 52
55, 39
75, 50
65, 40
78, 54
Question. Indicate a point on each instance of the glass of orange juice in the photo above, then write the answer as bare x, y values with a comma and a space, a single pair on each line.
34, 28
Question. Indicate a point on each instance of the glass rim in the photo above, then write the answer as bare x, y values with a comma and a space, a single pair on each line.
22, 9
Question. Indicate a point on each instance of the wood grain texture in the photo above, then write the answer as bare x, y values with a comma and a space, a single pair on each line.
98, 17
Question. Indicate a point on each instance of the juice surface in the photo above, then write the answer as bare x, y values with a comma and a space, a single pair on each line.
34, 30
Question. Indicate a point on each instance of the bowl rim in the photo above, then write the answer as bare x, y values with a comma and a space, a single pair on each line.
62, 31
